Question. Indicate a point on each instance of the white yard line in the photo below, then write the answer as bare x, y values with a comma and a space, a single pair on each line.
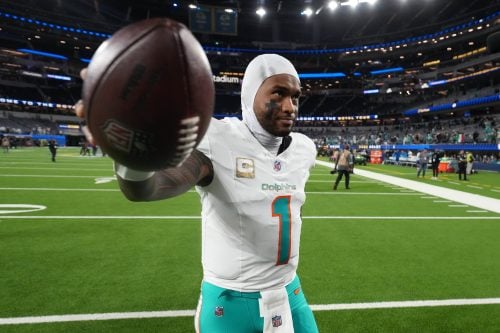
59, 189
191, 313
35, 162
346, 192
405, 304
190, 191
55, 176
399, 218
56, 168
476, 200
96, 316
473, 186
198, 217
102, 217
332, 181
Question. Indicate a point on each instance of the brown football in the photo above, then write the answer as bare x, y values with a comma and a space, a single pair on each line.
149, 94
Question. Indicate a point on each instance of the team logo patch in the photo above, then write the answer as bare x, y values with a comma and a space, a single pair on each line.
219, 311
129, 141
245, 168
277, 166
277, 321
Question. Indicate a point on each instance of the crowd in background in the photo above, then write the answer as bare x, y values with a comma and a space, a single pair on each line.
483, 129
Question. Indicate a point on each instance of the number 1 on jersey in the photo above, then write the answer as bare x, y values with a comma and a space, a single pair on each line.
281, 209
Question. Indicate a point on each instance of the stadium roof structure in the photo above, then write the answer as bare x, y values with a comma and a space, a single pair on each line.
285, 24
378, 48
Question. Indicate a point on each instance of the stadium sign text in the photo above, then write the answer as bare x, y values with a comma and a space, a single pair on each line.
226, 79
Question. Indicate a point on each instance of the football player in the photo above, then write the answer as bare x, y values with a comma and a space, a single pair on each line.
251, 176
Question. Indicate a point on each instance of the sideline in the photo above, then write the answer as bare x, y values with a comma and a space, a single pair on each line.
470, 199
191, 313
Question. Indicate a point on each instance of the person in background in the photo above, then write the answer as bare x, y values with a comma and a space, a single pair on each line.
84, 148
422, 160
94, 150
462, 165
345, 165
5, 144
53, 149
470, 162
397, 157
250, 226
435, 160
335, 159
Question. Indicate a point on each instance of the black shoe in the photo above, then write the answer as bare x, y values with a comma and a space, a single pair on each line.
335, 188
347, 188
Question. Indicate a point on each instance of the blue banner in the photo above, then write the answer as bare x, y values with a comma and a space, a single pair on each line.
60, 139
493, 147
200, 19
225, 23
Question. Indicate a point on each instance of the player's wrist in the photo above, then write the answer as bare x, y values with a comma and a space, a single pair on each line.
130, 174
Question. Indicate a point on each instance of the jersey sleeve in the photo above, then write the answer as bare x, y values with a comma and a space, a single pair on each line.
312, 151
308, 149
204, 145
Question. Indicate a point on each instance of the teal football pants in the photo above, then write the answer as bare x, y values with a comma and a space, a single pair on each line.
227, 311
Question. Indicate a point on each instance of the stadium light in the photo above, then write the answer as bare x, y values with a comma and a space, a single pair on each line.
352, 3
34, 74
387, 70
59, 77
321, 75
332, 5
44, 54
261, 11
307, 12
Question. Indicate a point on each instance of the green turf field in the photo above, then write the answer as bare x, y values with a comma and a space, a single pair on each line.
80, 248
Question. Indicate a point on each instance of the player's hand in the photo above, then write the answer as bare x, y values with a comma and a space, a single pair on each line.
80, 112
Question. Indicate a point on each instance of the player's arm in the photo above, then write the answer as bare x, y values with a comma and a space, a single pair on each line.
196, 170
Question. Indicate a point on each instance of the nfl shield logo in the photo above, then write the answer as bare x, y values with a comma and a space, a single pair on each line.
276, 321
219, 311
277, 165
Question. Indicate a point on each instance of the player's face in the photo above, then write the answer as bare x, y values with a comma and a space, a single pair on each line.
276, 103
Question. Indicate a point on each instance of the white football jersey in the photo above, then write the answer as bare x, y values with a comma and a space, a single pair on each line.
251, 212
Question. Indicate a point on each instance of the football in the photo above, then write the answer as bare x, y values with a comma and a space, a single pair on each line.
149, 94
